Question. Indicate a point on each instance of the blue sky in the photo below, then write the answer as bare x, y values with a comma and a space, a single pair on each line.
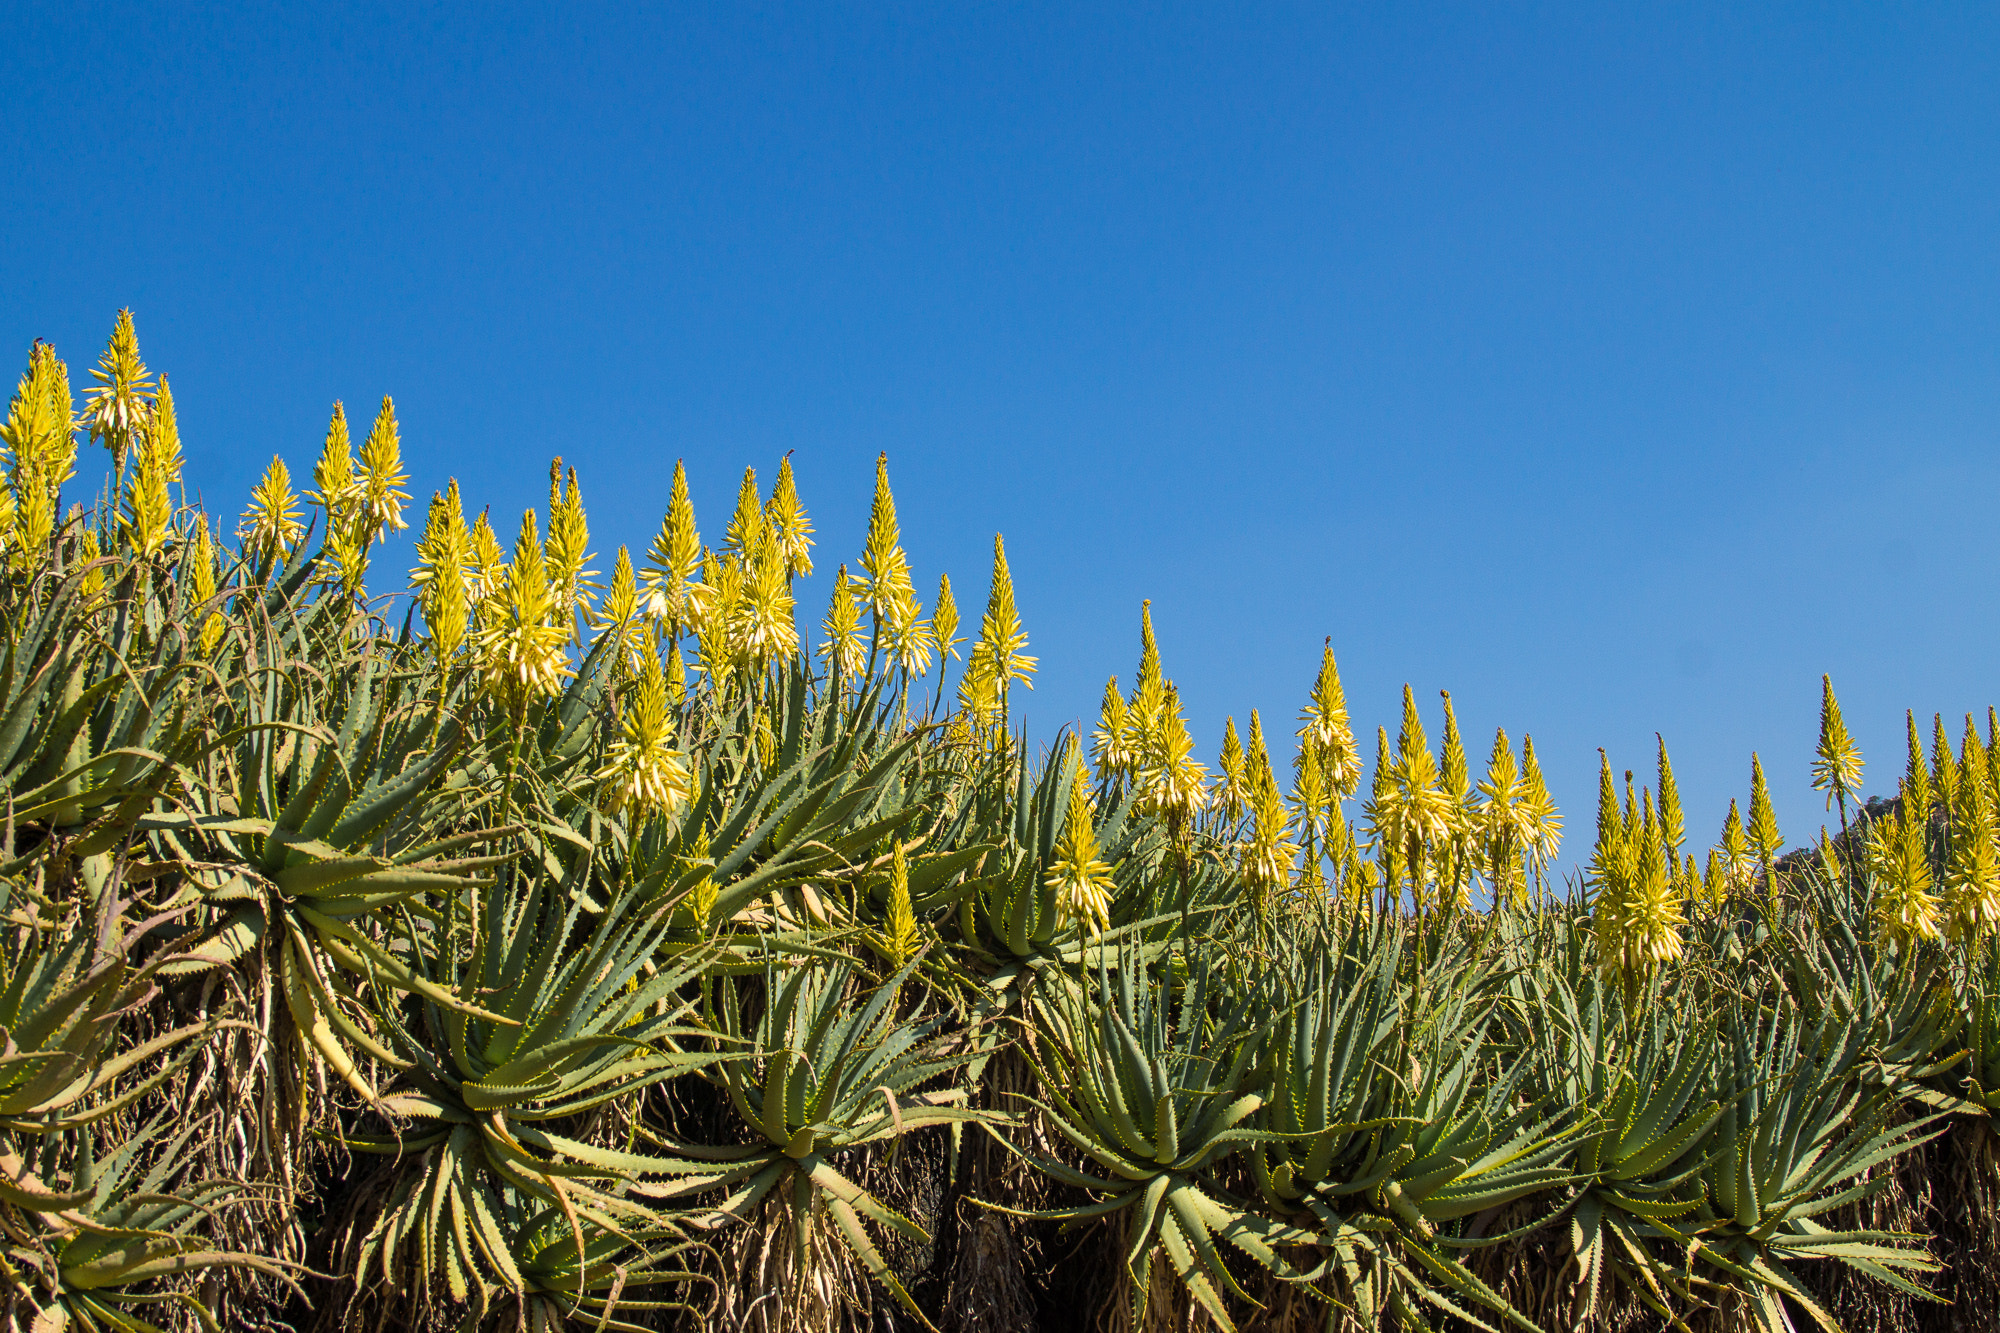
1620, 370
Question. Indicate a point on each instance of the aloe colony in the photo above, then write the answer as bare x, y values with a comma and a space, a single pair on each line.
572, 951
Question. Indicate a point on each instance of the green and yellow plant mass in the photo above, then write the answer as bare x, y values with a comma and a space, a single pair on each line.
531, 947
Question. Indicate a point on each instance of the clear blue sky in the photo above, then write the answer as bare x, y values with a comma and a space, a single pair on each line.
1619, 370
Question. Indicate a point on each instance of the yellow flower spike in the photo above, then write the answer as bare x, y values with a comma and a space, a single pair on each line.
1108, 746
1836, 766
1544, 822
1455, 783
1149, 649
271, 524
380, 482
1326, 726
1420, 816
1917, 776
1001, 637
201, 564
147, 520
91, 586
1715, 879
763, 627
882, 554
1906, 911
519, 647
444, 596
1972, 870
787, 520
1631, 815
620, 617
1232, 792
674, 560
1649, 929
1763, 825
900, 922
488, 563
1673, 824
645, 775
843, 649
1082, 882
1735, 846
909, 638
744, 536
1308, 789
722, 581
333, 475
1171, 782
1944, 769
1502, 815
568, 551
1266, 856
944, 621
118, 408
676, 676
1971, 756
1377, 811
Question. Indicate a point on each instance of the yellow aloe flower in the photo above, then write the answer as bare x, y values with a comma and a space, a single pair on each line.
787, 521
378, 487
884, 571
843, 649
1972, 870
571, 585
1171, 783
674, 559
1673, 824
338, 491
1836, 766
1502, 815
487, 564
1232, 792
1082, 881
201, 559
1765, 839
645, 774
147, 520
1906, 911
744, 537
519, 647
763, 627
1327, 728
271, 524
621, 620
121, 404
1109, 746
1944, 768
1265, 858
1001, 637
944, 621
900, 922
909, 638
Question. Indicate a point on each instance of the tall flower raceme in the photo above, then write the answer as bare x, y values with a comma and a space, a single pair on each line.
1231, 796
1411, 812
571, 584
379, 487
41, 450
270, 526
843, 649
997, 658
201, 560
1836, 766
1082, 881
788, 523
670, 580
762, 626
1972, 867
1944, 767
121, 404
645, 774
1907, 910
621, 620
1765, 840
944, 623
885, 571
1636, 904
1265, 858
1110, 742
1503, 815
520, 646
1916, 789
443, 592
1325, 726
146, 522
